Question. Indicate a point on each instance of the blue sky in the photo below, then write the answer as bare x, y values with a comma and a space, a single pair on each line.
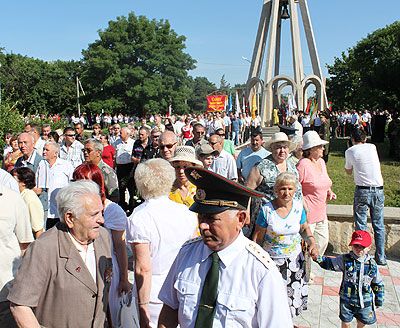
218, 32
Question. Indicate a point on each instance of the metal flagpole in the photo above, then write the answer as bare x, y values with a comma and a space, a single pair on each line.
77, 96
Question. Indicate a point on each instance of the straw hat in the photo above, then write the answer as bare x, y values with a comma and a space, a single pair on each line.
187, 154
278, 138
312, 139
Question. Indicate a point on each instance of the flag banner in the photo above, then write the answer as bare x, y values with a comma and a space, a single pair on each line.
216, 103
292, 103
253, 107
330, 106
308, 106
238, 109
229, 109
313, 111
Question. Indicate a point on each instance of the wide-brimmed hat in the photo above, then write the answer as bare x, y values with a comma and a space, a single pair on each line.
312, 139
205, 149
361, 237
278, 138
187, 154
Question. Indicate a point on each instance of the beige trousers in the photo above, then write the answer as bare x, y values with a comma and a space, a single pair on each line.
320, 230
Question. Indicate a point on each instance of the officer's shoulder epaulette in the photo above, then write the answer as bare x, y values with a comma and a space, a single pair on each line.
191, 241
260, 254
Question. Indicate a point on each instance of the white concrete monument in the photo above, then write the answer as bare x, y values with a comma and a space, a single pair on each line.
269, 38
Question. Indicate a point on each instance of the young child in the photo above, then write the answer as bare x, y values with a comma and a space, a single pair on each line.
362, 286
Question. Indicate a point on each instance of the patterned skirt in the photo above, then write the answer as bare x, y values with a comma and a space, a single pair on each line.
293, 274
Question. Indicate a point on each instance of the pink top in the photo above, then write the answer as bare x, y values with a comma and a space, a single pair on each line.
315, 186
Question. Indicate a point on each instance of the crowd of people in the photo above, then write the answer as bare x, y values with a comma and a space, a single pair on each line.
216, 235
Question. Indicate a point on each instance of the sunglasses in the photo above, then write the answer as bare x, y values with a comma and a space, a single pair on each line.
213, 143
169, 146
70, 135
84, 150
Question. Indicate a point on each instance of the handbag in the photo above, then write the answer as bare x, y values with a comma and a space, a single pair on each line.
128, 315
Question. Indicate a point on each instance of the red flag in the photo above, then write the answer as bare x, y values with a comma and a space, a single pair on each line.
308, 106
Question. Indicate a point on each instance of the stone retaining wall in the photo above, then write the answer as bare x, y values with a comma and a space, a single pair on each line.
341, 226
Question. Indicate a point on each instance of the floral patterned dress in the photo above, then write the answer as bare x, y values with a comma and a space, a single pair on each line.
269, 171
282, 241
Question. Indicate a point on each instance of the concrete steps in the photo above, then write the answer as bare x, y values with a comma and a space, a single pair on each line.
269, 131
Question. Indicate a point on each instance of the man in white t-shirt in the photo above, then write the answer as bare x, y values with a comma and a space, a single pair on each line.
362, 160
366, 118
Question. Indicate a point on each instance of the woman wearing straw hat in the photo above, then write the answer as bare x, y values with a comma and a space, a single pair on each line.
262, 176
316, 186
183, 190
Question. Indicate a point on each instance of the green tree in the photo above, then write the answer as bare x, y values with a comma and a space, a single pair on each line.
36, 86
137, 66
10, 120
224, 85
368, 76
200, 87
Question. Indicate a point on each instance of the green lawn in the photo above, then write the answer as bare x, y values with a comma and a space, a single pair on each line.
343, 184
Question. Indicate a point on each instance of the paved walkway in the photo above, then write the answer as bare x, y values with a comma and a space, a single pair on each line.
323, 300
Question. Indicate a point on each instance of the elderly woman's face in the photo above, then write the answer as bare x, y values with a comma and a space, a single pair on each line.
317, 152
86, 227
180, 167
280, 151
285, 191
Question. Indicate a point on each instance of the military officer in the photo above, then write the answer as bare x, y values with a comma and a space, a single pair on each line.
222, 279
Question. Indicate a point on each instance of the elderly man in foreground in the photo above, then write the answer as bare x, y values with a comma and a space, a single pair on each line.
222, 279
65, 275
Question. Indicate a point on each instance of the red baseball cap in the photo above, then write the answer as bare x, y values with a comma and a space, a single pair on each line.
361, 237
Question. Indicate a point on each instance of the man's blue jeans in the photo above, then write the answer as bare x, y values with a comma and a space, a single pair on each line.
372, 199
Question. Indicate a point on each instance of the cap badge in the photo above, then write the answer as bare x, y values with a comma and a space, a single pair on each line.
200, 194
195, 175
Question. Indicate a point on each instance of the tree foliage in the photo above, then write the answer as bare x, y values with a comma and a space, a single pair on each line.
36, 86
10, 120
200, 87
137, 65
368, 76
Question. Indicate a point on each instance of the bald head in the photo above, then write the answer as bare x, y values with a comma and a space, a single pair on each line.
216, 142
26, 144
167, 143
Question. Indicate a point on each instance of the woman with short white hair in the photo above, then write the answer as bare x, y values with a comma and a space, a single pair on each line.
156, 230
281, 227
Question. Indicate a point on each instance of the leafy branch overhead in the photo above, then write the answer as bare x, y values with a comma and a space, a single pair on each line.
368, 76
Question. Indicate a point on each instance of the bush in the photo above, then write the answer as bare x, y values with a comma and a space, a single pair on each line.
10, 121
